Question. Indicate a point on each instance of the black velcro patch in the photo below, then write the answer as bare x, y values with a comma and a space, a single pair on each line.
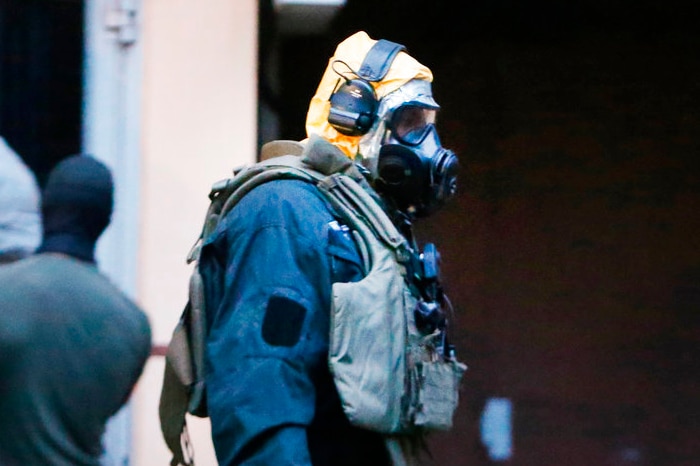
283, 321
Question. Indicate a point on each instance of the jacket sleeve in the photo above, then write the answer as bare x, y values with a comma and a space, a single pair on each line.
269, 278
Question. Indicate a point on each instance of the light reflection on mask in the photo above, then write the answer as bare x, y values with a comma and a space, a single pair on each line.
411, 123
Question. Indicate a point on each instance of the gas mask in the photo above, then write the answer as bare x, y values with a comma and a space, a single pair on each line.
375, 104
411, 167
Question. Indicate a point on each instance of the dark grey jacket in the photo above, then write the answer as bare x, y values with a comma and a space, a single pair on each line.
268, 272
72, 346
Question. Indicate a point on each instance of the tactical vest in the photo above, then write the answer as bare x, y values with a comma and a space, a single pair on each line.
391, 376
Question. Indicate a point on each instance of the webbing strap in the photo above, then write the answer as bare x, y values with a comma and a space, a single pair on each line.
354, 204
172, 411
262, 175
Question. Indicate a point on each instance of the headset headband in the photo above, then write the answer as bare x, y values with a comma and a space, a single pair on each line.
378, 60
353, 105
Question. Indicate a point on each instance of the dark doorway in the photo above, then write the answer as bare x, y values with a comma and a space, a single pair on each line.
41, 55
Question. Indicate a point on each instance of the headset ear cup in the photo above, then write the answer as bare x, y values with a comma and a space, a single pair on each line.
353, 107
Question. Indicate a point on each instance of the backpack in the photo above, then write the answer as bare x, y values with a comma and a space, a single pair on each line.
183, 390
422, 392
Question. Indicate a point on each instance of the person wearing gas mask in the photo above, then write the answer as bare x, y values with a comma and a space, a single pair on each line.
327, 338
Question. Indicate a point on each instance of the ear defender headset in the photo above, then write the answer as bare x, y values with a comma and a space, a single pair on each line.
419, 177
354, 103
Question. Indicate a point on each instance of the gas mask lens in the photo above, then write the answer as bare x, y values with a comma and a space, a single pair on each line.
411, 123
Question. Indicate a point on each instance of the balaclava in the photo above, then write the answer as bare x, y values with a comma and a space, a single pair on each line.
76, 205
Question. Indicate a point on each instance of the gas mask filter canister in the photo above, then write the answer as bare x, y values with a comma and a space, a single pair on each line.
412, 167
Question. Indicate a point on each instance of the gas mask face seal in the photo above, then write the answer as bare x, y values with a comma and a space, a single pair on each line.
412, 167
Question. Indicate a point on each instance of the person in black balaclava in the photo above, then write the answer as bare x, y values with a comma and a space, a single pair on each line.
76, 207
72, 345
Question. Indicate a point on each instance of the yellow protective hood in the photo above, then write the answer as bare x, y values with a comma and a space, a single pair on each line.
353, 51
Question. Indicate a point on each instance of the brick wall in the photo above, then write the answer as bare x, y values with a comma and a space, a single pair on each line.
572, 252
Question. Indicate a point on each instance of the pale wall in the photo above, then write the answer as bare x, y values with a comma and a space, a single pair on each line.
198, 123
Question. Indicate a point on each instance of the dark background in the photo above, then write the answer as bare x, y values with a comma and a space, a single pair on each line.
41, 58
572, 252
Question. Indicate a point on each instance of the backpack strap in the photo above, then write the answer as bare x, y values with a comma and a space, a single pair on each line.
174, 399
183, 388
350, 198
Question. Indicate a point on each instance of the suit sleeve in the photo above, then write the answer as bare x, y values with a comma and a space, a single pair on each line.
268, 334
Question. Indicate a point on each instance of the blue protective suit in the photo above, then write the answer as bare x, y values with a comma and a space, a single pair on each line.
268, 271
